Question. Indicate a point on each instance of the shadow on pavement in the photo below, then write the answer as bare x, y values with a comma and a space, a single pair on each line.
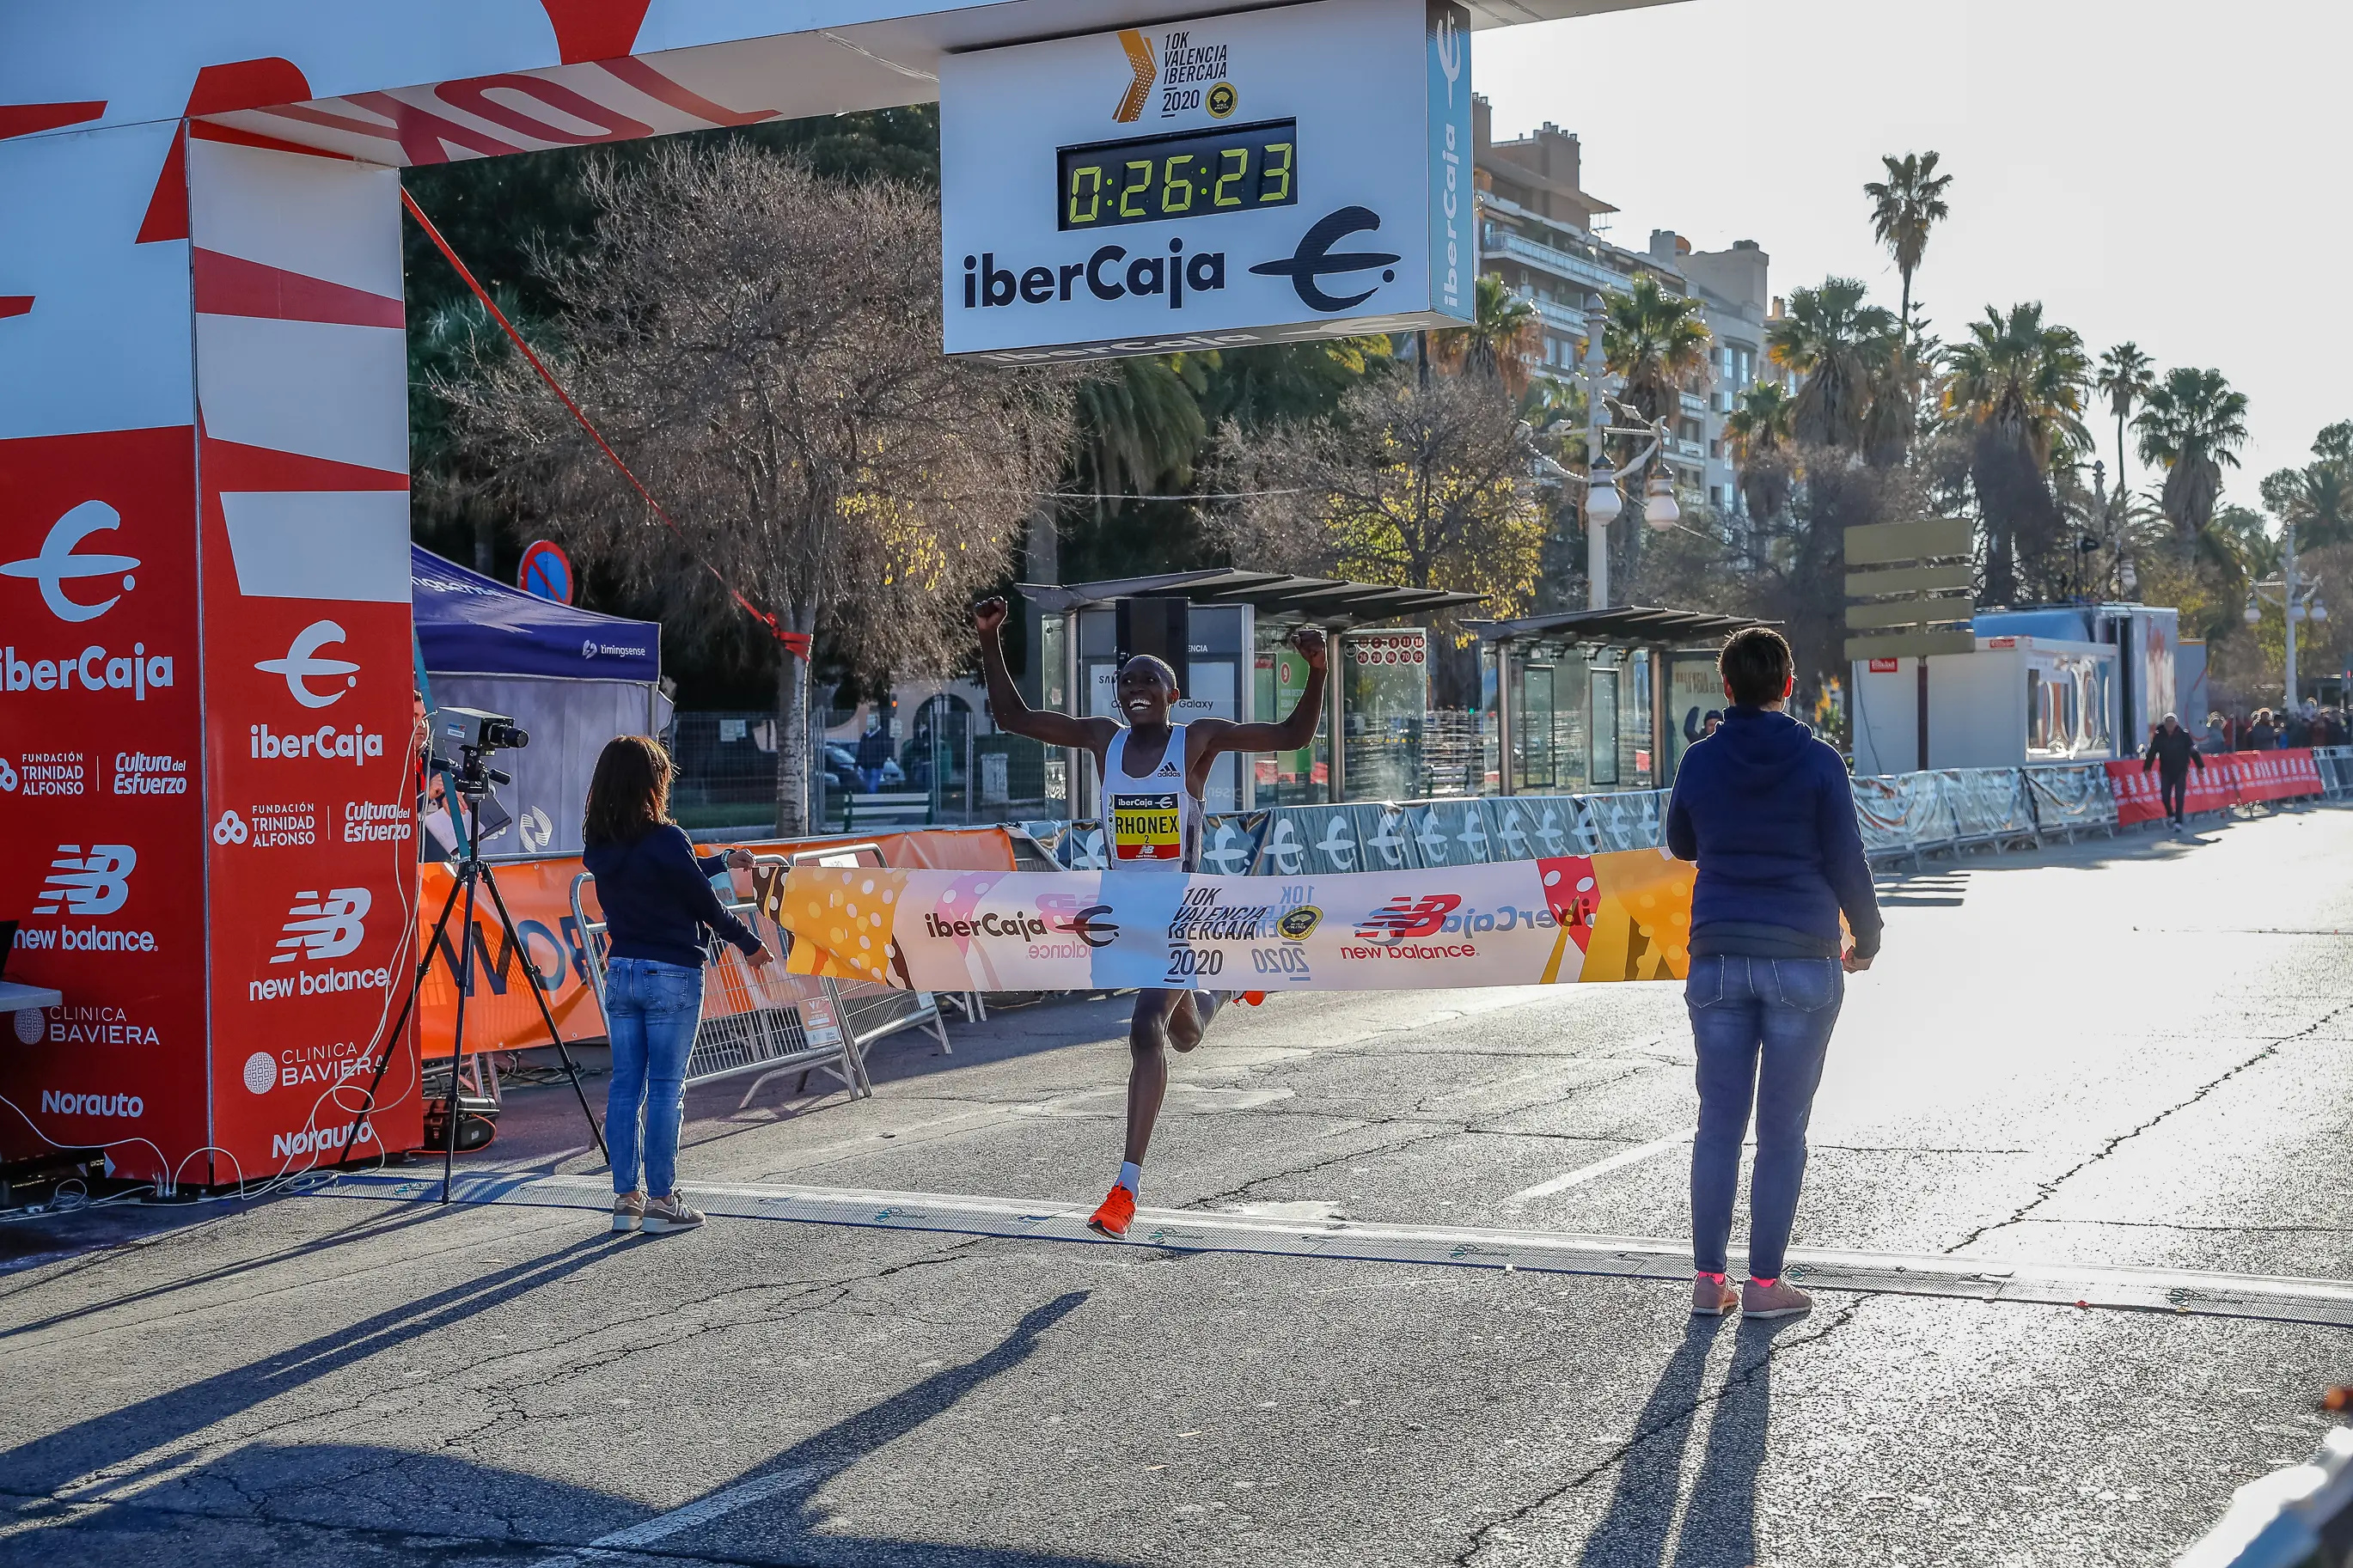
375, 1503
1719, 1525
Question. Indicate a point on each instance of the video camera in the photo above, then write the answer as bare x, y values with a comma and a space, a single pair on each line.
476, 734
471, 730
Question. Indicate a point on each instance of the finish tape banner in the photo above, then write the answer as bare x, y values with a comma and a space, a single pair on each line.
1617, 916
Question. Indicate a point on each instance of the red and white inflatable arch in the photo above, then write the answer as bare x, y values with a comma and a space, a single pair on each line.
205, 697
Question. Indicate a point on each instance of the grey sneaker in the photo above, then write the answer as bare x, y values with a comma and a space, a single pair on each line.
628, 1210
672, 1213
1713, 1298
1779, 1300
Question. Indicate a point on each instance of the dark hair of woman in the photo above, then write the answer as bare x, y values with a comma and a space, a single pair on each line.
628, 795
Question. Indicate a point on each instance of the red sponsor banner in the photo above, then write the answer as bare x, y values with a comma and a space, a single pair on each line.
311, 847
100, 769
2233, 779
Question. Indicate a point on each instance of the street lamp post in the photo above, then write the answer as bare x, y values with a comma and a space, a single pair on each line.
2298, 602
1602, 502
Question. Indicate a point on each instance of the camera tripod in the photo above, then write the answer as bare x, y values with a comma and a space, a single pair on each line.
472, 780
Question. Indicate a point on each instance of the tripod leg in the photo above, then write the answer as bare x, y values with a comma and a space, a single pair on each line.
546, 1014
408, 1004
458, 1043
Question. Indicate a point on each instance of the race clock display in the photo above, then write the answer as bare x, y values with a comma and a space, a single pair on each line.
1153, 179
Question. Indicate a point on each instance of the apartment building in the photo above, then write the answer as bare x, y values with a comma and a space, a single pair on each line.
1538, 232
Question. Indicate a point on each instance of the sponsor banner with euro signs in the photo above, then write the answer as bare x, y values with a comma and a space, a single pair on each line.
1553, 920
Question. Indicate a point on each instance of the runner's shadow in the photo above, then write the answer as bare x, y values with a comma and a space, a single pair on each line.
116, 1442
257, 1501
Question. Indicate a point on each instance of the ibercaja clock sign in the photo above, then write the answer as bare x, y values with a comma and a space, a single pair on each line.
1260, 176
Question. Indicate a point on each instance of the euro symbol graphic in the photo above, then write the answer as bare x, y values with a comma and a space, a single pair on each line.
1083, 926
1314, 259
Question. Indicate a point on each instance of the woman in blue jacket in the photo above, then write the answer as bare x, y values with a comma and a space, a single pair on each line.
1767, 811
660, 912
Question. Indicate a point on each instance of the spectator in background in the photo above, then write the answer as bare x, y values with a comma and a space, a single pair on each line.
2295, 729
659, 911
2218, 735
2260, 735
1710, 724
1767, 811
2171, 753
873, 751
2328, 730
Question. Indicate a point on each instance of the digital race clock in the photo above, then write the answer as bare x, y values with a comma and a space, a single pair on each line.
1154, 178
1294, 171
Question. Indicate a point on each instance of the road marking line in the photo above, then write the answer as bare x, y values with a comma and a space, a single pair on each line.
1585, 1174
662, 1526
2187, 1292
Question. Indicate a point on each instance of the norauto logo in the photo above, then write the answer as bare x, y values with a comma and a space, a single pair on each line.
1406, 916
318, 928
57, 1102
1314, 259
302, 664
92, 884
58, 564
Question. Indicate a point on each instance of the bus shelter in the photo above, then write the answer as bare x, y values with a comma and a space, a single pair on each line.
1226, 632
1590, 701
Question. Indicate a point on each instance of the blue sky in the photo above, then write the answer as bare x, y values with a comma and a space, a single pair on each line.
2157, 170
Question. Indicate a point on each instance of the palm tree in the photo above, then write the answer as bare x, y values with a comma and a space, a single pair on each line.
2316, 500
1758, 432
2019, 384
1503, 339
2193, 423
1656, 344
1140, 427
2125, 376
1903, 209
1840, 347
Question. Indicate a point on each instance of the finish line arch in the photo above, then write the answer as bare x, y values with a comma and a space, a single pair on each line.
205, 703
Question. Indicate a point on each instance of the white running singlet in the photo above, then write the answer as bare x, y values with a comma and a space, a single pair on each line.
1150, 824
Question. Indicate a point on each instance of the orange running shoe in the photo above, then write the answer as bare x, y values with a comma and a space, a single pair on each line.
1112, 1218
1253, 998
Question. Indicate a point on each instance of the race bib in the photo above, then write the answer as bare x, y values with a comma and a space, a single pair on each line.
1145, 828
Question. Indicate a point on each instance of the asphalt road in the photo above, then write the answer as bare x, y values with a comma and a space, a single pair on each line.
2132, 1053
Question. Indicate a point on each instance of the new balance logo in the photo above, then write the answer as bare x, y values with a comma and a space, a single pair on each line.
92, 884
318, 928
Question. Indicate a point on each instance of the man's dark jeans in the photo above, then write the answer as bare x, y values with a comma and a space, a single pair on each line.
1763, 1026
2172, 792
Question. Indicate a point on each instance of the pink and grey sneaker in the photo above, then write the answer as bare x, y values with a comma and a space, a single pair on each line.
1712, 1295
1773, 1298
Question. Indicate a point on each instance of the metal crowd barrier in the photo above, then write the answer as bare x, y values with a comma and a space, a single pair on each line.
1903, 816
765, 1021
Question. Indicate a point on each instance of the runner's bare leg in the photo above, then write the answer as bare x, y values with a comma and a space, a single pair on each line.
1147, 1065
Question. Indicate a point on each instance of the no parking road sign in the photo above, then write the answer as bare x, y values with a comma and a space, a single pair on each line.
546, 572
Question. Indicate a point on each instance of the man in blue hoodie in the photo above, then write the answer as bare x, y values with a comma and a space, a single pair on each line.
1765, 810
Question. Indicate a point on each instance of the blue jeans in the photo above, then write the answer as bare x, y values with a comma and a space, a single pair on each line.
650, 1012
1780, 1010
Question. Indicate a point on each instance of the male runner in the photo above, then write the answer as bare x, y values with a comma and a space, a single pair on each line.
1153, 774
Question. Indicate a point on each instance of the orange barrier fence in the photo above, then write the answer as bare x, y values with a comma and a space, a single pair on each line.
501, 1015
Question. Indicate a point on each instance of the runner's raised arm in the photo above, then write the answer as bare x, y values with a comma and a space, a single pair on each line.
1211, 736
1015, 716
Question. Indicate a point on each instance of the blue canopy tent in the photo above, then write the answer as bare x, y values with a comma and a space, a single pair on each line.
570, 676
